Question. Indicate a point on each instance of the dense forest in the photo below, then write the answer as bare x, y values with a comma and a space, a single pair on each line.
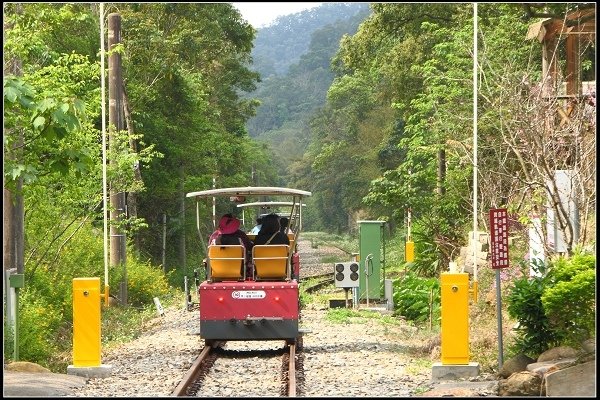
369, 108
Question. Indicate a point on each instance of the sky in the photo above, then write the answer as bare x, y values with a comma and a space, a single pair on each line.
262, 14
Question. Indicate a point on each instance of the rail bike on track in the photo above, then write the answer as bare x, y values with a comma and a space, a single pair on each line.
257, 303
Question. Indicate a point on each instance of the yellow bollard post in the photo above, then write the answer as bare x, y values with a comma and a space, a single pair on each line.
86, 322
455, 330
86, 329
409, 254
455, 318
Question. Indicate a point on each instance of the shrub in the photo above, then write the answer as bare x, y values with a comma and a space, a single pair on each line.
556, 308
427, 256
413, 297
38, 328
144, 282
570, 303
533, 332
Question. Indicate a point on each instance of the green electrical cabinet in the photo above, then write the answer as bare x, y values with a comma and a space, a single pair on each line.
370, 234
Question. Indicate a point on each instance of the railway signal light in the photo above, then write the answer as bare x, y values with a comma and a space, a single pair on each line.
346, 274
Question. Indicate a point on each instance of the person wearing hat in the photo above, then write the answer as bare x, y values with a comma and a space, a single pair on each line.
229, 233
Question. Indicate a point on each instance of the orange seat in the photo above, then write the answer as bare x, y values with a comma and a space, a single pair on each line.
271, 261
225, 262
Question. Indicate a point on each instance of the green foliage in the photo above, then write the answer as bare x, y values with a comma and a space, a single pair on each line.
417, 299
534, 331
8, 339
437, 232
120, 172
570, 303
144, 282
426, 262
568, 268
47, 300
186, 67
52, 117
44, 125
40, 326
430, 113
395, 244
558, 307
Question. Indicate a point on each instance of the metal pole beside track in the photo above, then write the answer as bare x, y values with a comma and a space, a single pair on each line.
499, 315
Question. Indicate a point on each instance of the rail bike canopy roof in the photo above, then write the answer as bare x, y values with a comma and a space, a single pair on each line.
269, 207
250, 191
239, 194
269, 204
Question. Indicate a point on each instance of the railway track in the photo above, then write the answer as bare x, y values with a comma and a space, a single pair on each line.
278, 370
317, 282
275, 370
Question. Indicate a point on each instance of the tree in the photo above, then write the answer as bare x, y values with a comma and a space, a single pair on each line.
185, 65
377, 67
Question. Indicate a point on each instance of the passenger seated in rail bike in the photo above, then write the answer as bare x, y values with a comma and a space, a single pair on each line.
256, 229
230, 225
229, 233
284, 222
268, 264
270, 232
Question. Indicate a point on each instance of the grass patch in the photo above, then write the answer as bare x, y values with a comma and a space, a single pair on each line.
347, 243
389, 320
418, 365
330, 259
421, 389
353, 316
344, 316
122, 325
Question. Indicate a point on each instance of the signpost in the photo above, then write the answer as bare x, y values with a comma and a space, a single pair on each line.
499, 250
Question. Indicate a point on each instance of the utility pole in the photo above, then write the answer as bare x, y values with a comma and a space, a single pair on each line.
164, 242
182, 256
13, 224
115, 118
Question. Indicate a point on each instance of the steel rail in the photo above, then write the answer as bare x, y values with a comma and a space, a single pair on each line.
292, 372
192, 373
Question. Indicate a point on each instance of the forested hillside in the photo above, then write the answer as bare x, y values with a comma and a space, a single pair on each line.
288, 101
283, 42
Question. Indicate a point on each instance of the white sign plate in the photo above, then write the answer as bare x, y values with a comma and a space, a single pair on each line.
248, 294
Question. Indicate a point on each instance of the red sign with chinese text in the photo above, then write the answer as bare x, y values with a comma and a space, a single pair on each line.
499, 237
